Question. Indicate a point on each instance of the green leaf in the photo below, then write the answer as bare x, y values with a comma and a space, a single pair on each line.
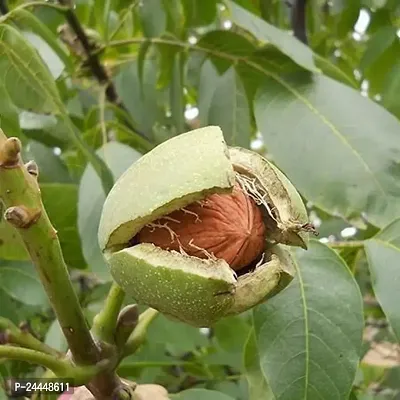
8, 307
8, 114
22, 286
178, 338
46, 129
26, 78
383, 253
143, 50
287, 44
229, 109
51, 167
166, 60
330, 151
200, 394
49, 57
377, 45
25, 20
309, 336
376, 73
11, 245
60, 201
222, 45
391, 89
175, 17
55, 337
153, 18
176, 94
31, 87
208, 82
347, 16
199, 13
140, 101
258, 385
223, 333
90, 203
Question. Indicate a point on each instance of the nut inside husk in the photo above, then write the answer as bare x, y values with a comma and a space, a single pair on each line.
186, 215
227, 226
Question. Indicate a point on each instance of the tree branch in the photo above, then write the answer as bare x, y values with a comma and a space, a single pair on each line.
139, 334
4, 7
14, 335
98, 70
35, 357
19, 191
299, 20
60, 367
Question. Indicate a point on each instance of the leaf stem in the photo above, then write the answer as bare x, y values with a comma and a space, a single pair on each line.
139, 334
298, 19
105, 321
14, 335
58, 366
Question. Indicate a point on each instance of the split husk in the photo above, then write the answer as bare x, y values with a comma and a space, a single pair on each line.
180, 171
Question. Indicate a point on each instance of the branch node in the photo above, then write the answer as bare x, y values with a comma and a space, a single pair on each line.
21, 216
127, 321
32, 168
4, 337
9, 152
125, 392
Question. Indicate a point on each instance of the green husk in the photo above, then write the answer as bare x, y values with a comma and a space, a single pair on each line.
176, 173
190, 289
287, 214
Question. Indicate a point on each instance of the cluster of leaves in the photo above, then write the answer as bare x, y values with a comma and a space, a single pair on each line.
176, 65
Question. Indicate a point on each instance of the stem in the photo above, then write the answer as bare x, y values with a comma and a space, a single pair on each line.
24, 339
299, 20
19, 191
105, 322
59, 367
3, 7
139, 334
127, 321
93, 61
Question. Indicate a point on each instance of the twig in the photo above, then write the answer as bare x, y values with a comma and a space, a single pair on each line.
19, 191
4, 7
139, 334
299, 20
35, 357
60, 367
7, 13
93, 61
105, 321
128, 319
14, 335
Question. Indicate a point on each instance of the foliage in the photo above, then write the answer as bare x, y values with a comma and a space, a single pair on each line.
326, 113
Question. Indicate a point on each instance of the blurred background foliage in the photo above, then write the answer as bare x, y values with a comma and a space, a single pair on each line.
89, 90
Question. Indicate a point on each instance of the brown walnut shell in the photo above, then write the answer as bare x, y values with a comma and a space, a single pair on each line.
224, 226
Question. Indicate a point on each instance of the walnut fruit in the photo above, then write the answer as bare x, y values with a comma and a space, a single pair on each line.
197, 229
